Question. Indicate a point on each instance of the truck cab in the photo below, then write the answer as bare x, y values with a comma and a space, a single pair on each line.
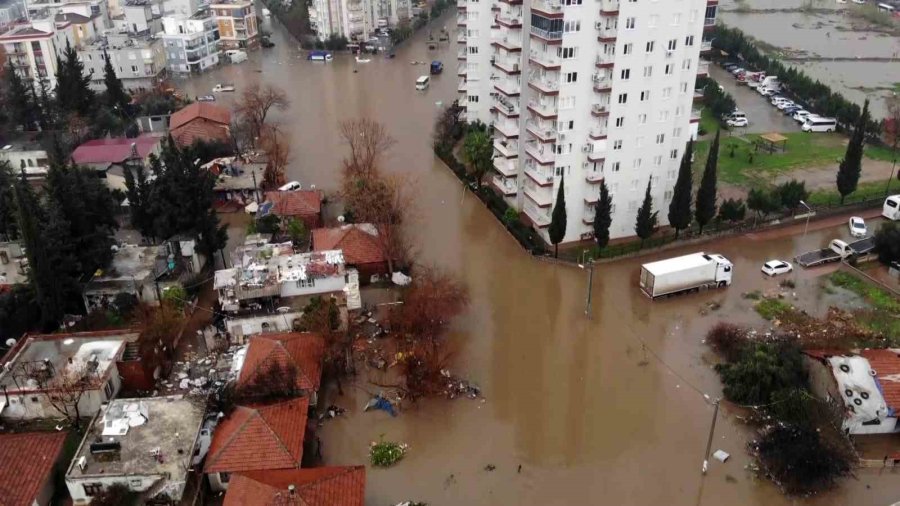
724, 270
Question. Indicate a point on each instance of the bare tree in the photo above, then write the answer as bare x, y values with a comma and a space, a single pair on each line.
368, 141
160, 327
63, 389
278, 152
272, 381
255, 104
385, 201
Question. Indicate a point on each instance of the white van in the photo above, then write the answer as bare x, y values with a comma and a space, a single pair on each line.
422, 82
887, 8
236, 55
291, 186
819, 124
891, 209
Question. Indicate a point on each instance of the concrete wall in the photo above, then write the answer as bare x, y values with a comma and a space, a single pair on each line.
138, 483
35, 405
322, 286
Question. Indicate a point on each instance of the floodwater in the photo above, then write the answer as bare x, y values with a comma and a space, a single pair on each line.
589, 415
826, 35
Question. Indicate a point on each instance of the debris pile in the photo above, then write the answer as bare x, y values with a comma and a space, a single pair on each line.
458, 387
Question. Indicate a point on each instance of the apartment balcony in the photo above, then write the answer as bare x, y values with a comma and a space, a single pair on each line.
507, 127
461, 69
608, 34
461, 55
506, 186
544, 109
508, 65
706, 45
507, 107
597, 155
511, 2
509, 42
461, 7
698, 95
609, 7
602, 84
709, 22
598, 132
541, 196
540, 218
593, 177
599, 110
550, 36
547, 84
511, 19
508, 149
545, 60
461, 38
703, 68
506, 166
548, 8
539, 175
544, 133
462, 85
461, 20
605, 60
542, 155
509, 87
695, 115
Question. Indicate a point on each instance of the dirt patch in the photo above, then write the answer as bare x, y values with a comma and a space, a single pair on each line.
822, 177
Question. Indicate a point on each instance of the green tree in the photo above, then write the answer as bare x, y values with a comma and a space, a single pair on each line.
478, 151
18, 98
791, 193
851, 166
802, 458
297, 231
706, 194
645, 224
115, 96
732, 210
762, 370
46, 106
763, 202
887, 242
73, 92
558, 220
603, 216
680, 207
138, 191
8, 227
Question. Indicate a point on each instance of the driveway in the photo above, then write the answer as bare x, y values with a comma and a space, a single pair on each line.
763, 117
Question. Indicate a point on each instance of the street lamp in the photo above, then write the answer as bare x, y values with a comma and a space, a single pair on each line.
589, 265
808, 213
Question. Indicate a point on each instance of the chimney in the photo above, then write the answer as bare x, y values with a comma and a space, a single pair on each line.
291, 489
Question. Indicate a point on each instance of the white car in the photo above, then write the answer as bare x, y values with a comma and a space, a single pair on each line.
738, 122
858, 227
800, 116
776, 267
291, 186
784, 105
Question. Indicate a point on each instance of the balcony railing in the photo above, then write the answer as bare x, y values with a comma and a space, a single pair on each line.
542, 154
547, 34
461, 20
695, 115
545, 109
462, 86
508, 128
508, 86
608, 32
536, 215
507, 106
601, 83
510, 19
609, 6
505, 186
543, 132
545, 60
605, 59
547, 6
593, 177
540, 196
506, 148
703, 68
599, 109
706, 45
461, 55
505, 166
461, 38
508, 42
709, 22
598, 132
508, 65
543, 177
548, 83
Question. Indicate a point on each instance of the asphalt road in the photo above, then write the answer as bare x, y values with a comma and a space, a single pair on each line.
762, 115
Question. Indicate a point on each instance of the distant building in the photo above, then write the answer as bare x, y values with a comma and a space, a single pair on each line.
304, 205
359, 243
84, 28
37, 364
13, 265
301, 351
257, 438
138, 60
331, 486
109, 156
148, 445
237, 23
243, 327
191, 44
28, 156
866, 384
48, 9
12, 12
141, 17
28, 467
200, 121
33, 49
237, 181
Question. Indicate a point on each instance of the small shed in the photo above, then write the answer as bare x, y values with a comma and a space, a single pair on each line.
769, 142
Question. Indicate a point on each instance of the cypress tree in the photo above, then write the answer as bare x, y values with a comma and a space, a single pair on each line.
680, 207
115, 96
19, 99
603, 216
706, 194
558, 219
645, 224
851, 166
8, 226
73, 92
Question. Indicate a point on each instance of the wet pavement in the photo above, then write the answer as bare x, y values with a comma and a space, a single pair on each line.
590, 415
762, 115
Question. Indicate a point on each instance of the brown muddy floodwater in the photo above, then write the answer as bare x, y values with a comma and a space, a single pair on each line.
589, 416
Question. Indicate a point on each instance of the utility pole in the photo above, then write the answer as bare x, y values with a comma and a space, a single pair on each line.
589, 265
808, 213
712, 430
255, 189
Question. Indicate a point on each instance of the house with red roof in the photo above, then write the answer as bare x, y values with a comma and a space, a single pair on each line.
257, 438
200, 121
866, 383
299, 352
109, 156
320, 486
28, 465
360, 245
304, 205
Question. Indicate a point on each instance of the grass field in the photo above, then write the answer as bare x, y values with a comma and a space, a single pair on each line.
883, 317
865, 191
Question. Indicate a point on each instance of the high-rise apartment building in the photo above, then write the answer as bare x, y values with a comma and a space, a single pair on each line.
584, 91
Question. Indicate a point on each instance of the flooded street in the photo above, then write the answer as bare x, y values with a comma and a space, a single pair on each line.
590, 416
825, 33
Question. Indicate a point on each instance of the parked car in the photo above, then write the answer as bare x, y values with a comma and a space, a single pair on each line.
206, 98
858, 227
776, 267
767, 92
291, 186
222, 87
784, 105
790, 110
738, 122
801, 115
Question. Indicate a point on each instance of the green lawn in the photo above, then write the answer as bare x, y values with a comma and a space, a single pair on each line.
741, 164
708, 122
882, 318
865, 191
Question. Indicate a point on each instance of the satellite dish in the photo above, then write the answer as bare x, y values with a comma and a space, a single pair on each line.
341, 219
10, 342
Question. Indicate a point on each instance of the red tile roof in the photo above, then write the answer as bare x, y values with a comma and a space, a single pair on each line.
303, 350
321, 486
886, 364
200, 121
113, 151
26, 464
296, 203
358, 243
259, 437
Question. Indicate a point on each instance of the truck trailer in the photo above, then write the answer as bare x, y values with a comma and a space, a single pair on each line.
684, 274
836, 250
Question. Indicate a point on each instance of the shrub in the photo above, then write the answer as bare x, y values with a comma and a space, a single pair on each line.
800, 459
176, 296
887, 242
732, 210
510, 216
386, 453
772, 308
761, 370
728, 339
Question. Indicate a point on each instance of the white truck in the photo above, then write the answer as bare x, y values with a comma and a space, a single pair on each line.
684, 274
836, 250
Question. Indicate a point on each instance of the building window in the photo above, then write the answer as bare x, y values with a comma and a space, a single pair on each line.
626, 74
650, 46
623, 98
35, 400
660, 138
620, 122
617, 145
92, 489
626, 49
615, 166
567, 53
571, 77
645, 96
224, 477
673, 43
108, 389
630, 23
648, 71
135, 483
673, 154
306, 283
689, 41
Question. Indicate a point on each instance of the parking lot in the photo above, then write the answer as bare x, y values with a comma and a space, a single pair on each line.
762, 115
